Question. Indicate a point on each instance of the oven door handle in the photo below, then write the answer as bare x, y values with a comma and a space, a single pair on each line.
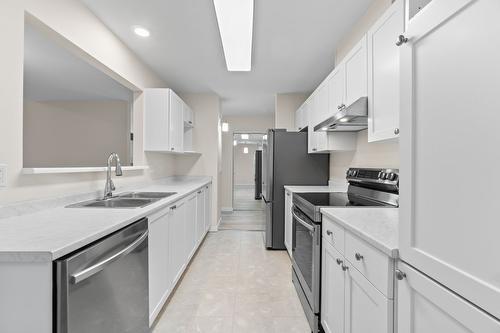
86, 273
304, 223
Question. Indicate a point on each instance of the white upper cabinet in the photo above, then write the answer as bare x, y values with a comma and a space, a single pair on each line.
188, 115
336, 92
449, 123
164, 119
176, 127
425, 306
301, 120
383, 74
356, 70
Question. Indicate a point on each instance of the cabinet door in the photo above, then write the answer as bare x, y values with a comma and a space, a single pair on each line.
321, 110
332, 290
356, 70
336, 89
156, 120
187, 115
208, 206
448, 234
200, 215
288, 221
190, 236
299, 119
383, 74
177, 241
158, 251
176, 124
317, 141
366, 308
425, 306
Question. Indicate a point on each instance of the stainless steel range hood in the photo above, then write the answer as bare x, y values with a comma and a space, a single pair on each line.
352, 118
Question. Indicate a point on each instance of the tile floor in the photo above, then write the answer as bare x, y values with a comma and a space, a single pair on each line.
235, 285
243, 220
244, 198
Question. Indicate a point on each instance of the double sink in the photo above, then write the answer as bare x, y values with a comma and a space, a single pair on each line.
125, 200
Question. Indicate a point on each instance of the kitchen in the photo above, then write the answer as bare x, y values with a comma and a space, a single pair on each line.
381, 115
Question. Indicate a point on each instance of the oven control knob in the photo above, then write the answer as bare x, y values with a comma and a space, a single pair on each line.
355, 173
392, 176
382, 175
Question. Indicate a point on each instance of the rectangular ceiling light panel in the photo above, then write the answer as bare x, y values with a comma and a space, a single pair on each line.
235, 19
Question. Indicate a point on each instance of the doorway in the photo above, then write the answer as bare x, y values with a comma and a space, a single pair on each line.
247, 171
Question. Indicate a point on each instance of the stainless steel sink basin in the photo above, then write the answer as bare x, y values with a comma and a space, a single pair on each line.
115, 202
147, 195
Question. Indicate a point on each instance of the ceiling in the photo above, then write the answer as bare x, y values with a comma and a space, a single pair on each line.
52, 73
294, 44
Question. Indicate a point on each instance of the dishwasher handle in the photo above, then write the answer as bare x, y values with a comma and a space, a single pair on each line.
88, 272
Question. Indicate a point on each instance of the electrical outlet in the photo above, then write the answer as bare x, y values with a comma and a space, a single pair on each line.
3, 175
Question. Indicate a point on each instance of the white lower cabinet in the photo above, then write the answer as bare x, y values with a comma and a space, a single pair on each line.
190, 221
425, 306
200, 215
366, 308
160, 279
174, 236
350, 301
332, 290
288, 221
208, 206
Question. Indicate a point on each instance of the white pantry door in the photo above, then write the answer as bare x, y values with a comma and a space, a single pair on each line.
449, 141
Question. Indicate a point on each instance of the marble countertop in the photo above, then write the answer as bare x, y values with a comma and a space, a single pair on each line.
52, 233
377, 226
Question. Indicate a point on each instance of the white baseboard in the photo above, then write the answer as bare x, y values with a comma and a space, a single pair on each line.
226, 209
215, 228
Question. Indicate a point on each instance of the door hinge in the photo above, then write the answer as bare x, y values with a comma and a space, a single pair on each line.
131, 136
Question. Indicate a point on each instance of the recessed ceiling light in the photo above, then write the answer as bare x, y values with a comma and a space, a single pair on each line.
245, 150
344, 120
141, 31
235, 19
244, 136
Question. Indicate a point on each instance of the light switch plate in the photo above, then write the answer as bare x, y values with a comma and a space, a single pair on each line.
3, 175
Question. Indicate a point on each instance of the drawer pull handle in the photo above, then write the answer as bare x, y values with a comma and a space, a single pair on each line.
401, 40
358, 257
344, 268
339, 262
329, 233
400, 275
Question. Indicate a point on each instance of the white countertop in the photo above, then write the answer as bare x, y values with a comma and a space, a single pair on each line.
49, 234
377, 226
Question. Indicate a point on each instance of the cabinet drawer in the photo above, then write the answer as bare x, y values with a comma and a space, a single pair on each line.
333, 234
373, 264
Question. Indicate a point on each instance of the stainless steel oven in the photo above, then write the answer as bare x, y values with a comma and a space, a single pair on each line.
306, 258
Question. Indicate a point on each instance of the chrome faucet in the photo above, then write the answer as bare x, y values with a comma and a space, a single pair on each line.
110, 186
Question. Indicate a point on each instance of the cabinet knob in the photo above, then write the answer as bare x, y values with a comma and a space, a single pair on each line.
173, 207
401, 40
172, 148
199, 192
400, 275
344, 268
329, 233
396, 131
339, 262
314, 149
358, 257
341, 106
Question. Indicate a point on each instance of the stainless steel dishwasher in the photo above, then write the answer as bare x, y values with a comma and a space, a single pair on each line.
103, 288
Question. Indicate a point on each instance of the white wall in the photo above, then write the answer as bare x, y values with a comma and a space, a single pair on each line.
244, 164
72, 20
285, 106
249, 124
75, 133
206, 108
379, 154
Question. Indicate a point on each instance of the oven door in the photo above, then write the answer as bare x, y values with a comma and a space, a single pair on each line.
306, 256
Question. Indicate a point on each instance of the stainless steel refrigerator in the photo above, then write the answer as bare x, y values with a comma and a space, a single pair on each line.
286, 162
